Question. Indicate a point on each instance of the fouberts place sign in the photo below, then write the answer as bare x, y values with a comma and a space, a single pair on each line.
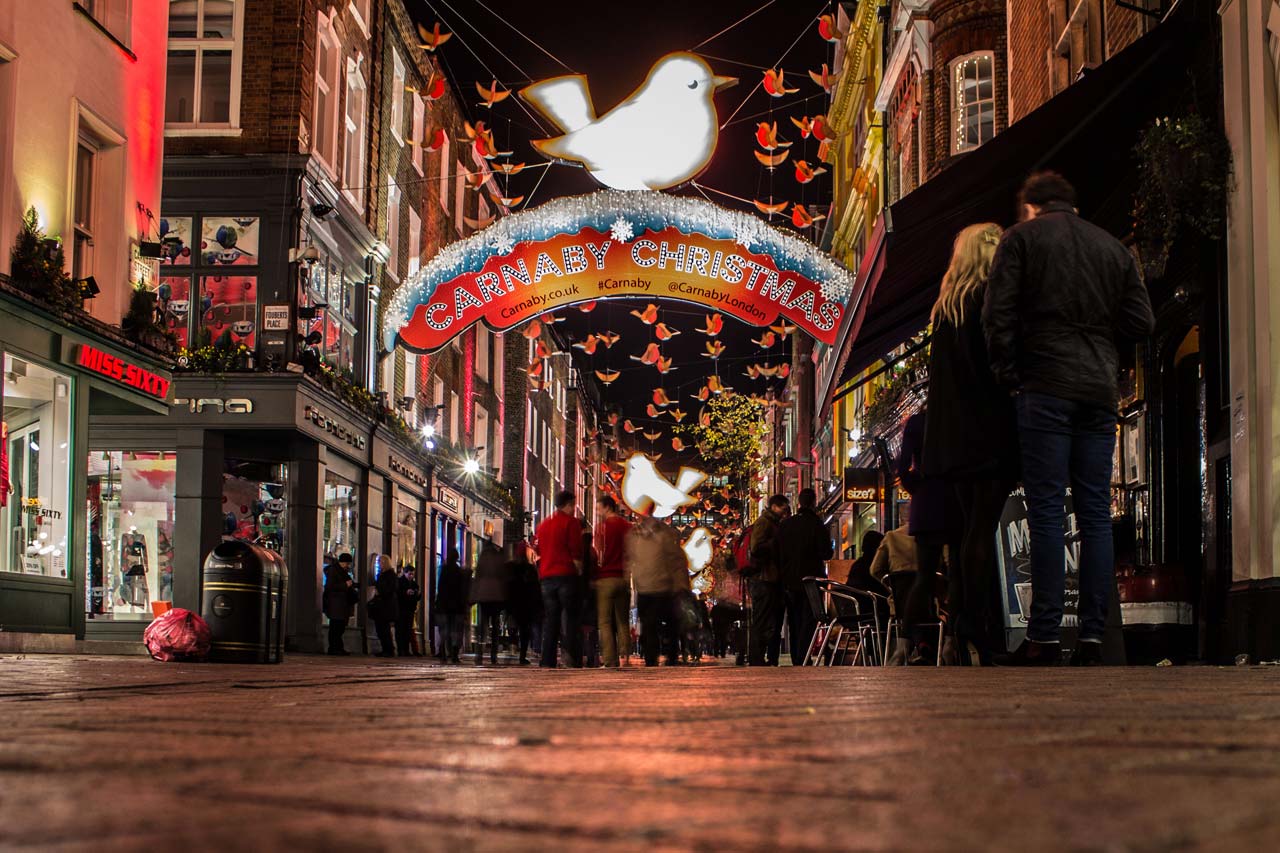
624, 244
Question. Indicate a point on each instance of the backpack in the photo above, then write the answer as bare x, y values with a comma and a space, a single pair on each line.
742, 553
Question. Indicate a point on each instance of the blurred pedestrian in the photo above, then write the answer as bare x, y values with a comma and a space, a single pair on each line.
451, 604
409, 596
340, 597
653, 557
613, 593
590, 636
767, 598
895, 565
804, 546
490, 590
525, 599
1062, 290
559, 546
935, 521
384, 609
970, 441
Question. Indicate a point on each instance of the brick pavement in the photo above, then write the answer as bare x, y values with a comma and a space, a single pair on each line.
123, 753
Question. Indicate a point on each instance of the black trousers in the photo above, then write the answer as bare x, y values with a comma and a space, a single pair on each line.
799, 622
657, 626
404, 636
767, 607
975, 593
490, 616
385, 630
337, 627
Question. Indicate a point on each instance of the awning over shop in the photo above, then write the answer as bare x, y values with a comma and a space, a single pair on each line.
1086, 132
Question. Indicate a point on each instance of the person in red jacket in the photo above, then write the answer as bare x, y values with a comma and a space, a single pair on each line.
558, 542
613, 593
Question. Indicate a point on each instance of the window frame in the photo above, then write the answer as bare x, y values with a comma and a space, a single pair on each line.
394, 197
399, 78
363, 19
355, 130
326, 33
959, 145
82, 232
199, 44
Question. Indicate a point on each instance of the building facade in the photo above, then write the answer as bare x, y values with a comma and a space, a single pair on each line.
80, 181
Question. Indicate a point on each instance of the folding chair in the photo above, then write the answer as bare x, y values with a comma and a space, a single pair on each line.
823, 618
857, 624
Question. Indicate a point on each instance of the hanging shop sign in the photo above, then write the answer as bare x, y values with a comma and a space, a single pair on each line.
449, 500
862, 485
121, 371
619, 244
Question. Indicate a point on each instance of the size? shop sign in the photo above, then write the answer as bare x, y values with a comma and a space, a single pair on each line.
542, 275
123, 372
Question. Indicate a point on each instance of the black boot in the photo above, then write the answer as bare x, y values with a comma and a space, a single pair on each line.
1031, 653
1087, 654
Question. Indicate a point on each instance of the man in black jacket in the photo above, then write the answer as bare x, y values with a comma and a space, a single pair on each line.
804, 546
766, 584
1061, 292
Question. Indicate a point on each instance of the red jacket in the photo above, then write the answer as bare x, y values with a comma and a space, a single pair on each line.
558, 543
609, 537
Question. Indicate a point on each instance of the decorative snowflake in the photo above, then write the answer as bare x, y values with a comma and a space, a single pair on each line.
502, 244
621, 230
742, 237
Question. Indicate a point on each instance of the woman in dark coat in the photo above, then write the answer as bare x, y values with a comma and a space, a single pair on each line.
340, 598
935, 523
385, 607
525, 602
490, 590
971, 437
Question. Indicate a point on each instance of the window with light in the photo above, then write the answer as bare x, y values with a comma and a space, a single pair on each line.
202, 90
973, 101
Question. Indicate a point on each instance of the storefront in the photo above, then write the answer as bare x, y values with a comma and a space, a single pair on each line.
268, 458
400, 482
56, 558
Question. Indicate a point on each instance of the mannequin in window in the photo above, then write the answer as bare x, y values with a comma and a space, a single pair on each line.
133, 560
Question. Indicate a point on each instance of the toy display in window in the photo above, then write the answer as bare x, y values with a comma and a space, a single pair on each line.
133, 563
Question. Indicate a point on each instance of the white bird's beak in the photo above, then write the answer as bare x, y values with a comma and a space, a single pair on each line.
718, 83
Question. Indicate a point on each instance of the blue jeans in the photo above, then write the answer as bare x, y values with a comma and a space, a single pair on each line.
561, 599
1067, 443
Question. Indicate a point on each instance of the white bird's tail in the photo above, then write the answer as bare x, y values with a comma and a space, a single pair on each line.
565, 100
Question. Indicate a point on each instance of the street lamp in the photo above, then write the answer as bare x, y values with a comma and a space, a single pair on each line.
792, 462
471, 466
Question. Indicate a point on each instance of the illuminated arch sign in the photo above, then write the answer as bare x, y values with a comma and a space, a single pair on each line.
612, 243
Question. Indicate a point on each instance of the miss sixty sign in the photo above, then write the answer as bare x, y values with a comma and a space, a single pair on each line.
112, 367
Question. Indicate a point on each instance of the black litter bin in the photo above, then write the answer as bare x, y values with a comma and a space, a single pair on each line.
243, 602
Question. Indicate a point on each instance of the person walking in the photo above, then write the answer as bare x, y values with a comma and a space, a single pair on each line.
409, 596
340, 597
767, 599
1061, 292
490, 590
588, 635
804, 546
613, 593
525, 598
559, 545
652, 558
451, 604
970, 441
934, 521
384, 609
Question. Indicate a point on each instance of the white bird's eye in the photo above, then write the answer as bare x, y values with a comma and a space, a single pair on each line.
693, 84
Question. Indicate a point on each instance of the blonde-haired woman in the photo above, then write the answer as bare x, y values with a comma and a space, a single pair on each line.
970, 438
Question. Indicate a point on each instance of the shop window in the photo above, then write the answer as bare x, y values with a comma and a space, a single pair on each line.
354, 137
405, 533
255, 503
35, 469
341, 515
324, 138
229, 241
202, 92
174, 302
973, 101
229, 310
131, 532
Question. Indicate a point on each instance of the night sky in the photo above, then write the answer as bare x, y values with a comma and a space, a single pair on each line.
614, 45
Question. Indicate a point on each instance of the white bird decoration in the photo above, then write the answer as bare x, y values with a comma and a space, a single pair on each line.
698, 549
662, 135
643, 487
